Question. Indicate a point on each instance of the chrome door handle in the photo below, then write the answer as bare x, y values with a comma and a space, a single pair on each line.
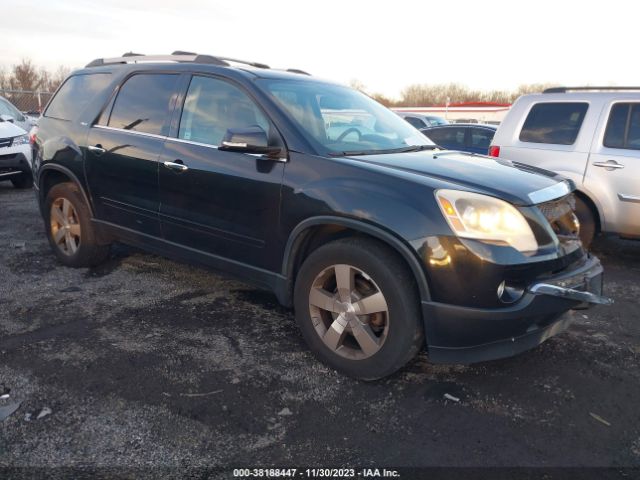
609, 164
180, 167
97, 149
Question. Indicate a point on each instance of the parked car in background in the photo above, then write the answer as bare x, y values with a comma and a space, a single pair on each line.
21, 120
465, 120
15, 154
473, 138
420, 120
590, 135
381, 242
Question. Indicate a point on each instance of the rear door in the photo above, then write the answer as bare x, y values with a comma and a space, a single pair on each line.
613, 172
219, 202
123, 151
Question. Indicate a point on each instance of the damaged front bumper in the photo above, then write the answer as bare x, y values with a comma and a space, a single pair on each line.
458, 334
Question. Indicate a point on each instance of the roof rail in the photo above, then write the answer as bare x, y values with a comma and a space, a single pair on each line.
297, 70
583, 89
179, 56
135, 58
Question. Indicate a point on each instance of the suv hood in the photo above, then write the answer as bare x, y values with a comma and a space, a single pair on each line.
8, 129
516, 183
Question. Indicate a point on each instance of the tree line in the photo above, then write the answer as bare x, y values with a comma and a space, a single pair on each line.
28, 76
425, 95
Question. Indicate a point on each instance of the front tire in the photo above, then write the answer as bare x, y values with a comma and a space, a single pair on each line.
357, 307
587, 220
69, 229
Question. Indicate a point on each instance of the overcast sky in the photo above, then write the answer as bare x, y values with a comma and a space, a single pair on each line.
386, 45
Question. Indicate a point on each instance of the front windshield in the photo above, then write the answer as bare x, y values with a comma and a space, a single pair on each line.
344, 121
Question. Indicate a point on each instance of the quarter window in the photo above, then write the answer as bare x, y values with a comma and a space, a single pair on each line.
623, 127
75, 94
212, 107
554, 123
144, 103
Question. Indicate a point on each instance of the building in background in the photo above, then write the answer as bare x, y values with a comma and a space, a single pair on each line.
468, 112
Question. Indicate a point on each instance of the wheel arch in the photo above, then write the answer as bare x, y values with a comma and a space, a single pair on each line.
593, 206
52, 174
314, 232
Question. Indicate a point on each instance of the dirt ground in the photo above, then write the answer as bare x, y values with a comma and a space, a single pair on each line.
146, 362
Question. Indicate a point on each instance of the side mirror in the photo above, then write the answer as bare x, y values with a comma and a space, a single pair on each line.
7, 118
248, 140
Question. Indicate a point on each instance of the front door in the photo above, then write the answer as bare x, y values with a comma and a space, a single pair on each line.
613, 170
223, 203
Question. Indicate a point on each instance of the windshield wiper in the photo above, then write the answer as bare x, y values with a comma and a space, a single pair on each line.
413, 148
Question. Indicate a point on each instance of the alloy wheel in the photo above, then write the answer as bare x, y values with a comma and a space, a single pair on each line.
349, 312
65, 226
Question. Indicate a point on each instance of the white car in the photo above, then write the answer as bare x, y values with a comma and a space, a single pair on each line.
590, 135
20, 119
15, 154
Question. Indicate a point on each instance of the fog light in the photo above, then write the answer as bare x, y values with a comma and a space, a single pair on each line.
509, 293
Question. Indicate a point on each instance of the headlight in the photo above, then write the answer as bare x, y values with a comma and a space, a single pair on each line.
472, 215
21, 140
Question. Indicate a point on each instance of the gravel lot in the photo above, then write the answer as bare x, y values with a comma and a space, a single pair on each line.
147, 362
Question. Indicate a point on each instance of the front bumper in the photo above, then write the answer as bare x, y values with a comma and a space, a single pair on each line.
458, 334
14, 161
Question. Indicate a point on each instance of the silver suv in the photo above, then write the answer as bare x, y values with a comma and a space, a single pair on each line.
590, 135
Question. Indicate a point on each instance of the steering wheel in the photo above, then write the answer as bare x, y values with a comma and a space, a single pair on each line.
347, 132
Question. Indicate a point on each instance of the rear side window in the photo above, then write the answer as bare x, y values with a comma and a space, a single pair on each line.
555, 123
416, 122
623, 127
75, 94
481, 137
450, 137
144, 103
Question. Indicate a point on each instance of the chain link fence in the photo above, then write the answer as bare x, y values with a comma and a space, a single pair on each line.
27, 101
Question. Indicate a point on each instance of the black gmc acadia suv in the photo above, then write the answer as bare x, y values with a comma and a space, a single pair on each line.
379, 240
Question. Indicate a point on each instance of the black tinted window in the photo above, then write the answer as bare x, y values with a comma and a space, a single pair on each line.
623, 127
144, 103
75, 94
633, 133
481, 137
616, 126
447, 137
557, 123
416, 122
212, 106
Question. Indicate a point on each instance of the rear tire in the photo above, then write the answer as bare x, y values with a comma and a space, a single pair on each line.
68, 222
587, 219
368, 329
24, 180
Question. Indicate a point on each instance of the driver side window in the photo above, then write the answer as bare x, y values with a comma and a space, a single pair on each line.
213, 106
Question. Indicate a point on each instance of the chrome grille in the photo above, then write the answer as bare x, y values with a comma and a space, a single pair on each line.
5, 142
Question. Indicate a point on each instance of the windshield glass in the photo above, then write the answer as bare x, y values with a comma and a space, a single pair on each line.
437, 121
344, 121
